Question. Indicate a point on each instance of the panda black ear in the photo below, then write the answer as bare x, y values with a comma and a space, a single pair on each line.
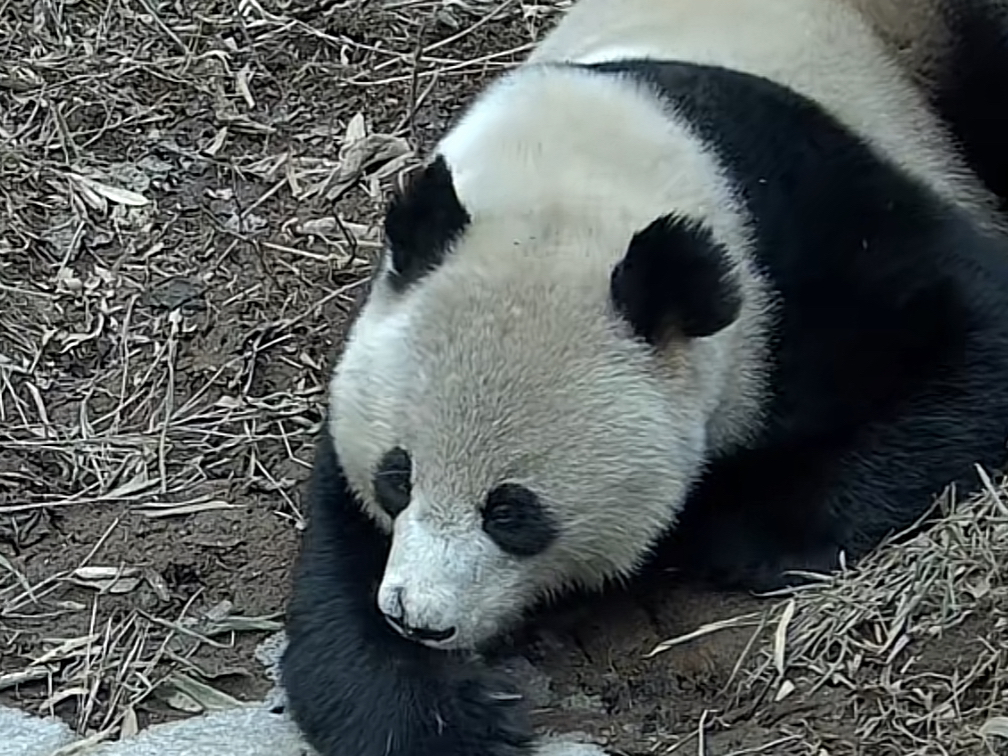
422, 222
675, 277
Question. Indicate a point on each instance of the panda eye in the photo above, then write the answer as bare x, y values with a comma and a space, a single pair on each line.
391, 481
517, 521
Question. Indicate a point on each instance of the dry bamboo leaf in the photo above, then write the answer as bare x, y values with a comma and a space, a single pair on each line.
76, 691
103, 573
162, 509
183, 702
242, 85
711, 627
107, 579
317, 226
157, 584
237, 624
21, 579
66, 649
190, 692
780, 636
356, 129
115, 194
115, 586
371, 151
89, 195
785, 689
130, 725
139, 483
13, 679
217, 143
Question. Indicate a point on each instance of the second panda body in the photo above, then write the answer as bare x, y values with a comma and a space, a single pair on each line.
666, 285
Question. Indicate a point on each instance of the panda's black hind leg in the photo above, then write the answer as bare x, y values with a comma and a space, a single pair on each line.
971, 90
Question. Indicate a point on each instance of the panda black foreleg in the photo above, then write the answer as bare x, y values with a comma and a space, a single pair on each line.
759, 514
355, 688
753, 517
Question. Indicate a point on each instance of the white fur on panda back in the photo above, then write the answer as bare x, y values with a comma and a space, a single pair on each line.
824, 49
915, 31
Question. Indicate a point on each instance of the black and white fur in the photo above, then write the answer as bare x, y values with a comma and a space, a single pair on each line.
745, 307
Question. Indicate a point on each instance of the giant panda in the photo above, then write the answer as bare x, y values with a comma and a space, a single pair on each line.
957, 52
704, 281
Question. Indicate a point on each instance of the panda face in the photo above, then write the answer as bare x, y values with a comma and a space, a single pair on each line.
513, 525
502, 425
546, 354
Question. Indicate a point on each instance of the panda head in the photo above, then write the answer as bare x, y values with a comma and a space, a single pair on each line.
517, 406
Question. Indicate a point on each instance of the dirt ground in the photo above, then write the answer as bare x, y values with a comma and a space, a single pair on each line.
189, 200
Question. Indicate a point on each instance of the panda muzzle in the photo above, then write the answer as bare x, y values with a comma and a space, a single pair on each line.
421, 634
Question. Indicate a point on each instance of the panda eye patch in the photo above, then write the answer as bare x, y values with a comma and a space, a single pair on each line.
517, 521
391, 481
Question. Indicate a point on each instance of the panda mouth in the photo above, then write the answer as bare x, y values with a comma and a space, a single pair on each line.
433, 636
422, 634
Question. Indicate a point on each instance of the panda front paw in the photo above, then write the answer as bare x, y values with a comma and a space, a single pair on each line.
773, 573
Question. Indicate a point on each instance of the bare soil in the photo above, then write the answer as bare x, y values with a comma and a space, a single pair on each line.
174, 354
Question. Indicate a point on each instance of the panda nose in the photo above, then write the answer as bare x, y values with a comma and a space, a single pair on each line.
395, 615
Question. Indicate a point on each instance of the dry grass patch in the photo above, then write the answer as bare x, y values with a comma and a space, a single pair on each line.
910, 649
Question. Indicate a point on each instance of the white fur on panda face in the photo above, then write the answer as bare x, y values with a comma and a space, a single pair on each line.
475, 381
507, 364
